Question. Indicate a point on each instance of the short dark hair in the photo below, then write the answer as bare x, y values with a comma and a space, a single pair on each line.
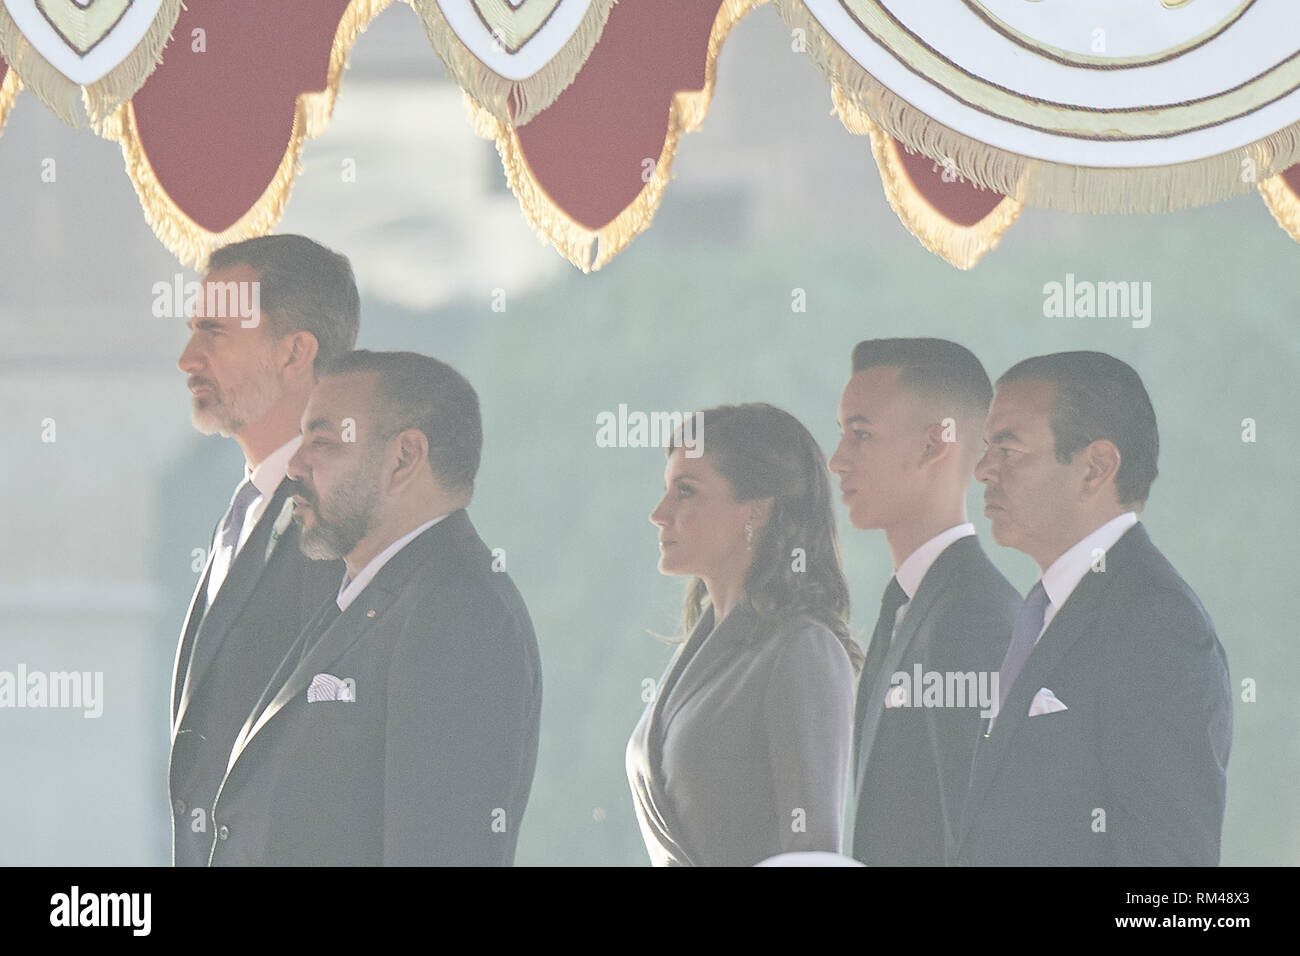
303, 287
416, 391
933, 367
1098, 397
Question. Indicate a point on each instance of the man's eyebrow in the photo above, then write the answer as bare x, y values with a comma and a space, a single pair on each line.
858, 420
1005, 435
317, 424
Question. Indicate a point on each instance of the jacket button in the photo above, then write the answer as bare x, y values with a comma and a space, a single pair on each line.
223, 833
179, 807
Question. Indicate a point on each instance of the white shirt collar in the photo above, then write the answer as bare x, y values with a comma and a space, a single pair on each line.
266, 477
348, 590
913, 570
1065, 573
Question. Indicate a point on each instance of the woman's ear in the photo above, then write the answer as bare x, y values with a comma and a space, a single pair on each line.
760, 512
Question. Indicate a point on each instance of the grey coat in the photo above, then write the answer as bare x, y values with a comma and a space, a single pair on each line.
744, 752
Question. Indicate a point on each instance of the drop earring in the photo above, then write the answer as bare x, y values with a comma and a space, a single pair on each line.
749, 536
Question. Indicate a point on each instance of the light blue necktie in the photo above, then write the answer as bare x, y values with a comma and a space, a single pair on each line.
228, 537
1029, 623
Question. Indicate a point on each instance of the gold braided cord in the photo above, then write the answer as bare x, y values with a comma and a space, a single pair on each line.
186, 239
589, 249
100, 99
495, 93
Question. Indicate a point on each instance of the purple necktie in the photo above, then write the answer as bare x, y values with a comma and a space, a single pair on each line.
1028, 625
227, 542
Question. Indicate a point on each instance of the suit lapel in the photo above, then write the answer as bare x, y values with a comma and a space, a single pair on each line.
240, 584
716, 651
185, 648
434, 548
918, 610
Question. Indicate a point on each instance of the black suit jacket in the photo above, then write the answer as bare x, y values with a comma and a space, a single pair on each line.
918, 758
432, 762
224, 660
1133, 772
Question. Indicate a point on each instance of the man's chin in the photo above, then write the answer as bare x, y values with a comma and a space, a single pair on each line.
206, 423
863, 521
313, 547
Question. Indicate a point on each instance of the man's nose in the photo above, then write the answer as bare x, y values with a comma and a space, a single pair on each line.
189, 362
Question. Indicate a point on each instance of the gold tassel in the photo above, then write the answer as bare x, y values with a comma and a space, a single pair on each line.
101, 98
8, 91
586, 248
493, 92
186, 239
1283, 204
962, 246
860, 99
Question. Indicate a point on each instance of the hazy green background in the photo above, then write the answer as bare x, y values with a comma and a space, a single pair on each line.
772, 195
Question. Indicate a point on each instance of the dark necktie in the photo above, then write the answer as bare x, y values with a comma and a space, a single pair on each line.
891, 601
893, 598
1029, 623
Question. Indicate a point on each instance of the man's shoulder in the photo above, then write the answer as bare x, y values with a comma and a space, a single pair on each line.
1139, 581
966, 578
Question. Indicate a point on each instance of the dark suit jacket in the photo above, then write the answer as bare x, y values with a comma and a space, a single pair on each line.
224, 660
1145, 739
432, 762
744, 751
918, 758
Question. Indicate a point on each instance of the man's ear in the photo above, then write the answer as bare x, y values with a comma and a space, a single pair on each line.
412, 452
1102, 461
299, 350
940, 440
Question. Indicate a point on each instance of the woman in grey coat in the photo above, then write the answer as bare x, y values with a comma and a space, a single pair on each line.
744, 752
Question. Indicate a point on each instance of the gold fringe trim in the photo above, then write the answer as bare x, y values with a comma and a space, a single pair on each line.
586, 248
493, 92
1283, 204
101, 98
186, 239
962, 246
8, 91
1059, 186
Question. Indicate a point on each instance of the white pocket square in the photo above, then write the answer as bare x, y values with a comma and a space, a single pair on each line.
329, 687
896, 696
1045, 702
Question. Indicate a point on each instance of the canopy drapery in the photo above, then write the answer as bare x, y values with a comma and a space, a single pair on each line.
973, 108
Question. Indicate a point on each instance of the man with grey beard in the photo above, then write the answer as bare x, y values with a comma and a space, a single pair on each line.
250, 376
401, 728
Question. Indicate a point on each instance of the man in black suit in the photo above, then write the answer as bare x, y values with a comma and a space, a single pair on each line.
912, 418
272, 310
402, 726
1110, 746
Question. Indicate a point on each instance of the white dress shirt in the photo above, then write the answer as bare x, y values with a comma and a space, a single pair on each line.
1065, 573
266, 477
914, 568
349, 589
